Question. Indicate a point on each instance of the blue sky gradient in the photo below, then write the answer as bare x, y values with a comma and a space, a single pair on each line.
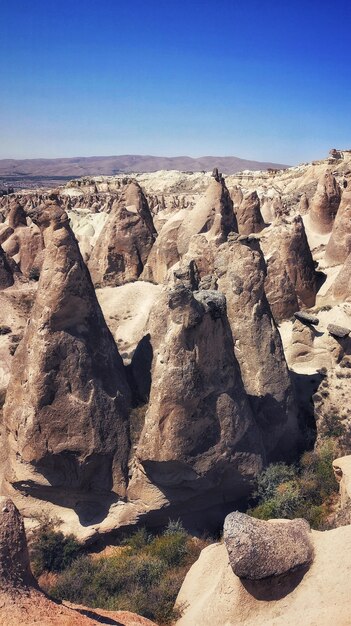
266, 80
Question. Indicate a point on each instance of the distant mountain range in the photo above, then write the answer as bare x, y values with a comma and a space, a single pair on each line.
90, 166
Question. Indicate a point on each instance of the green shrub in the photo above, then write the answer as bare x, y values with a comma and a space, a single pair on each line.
143, 577
51, 551
289, 492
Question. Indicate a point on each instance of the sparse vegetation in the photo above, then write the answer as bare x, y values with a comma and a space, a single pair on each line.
298, 491
51, 550
144, 576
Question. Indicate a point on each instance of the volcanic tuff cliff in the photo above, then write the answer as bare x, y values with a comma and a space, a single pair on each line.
198, 278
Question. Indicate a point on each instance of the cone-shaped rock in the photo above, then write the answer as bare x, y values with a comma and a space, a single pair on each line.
67, 400
241, 274
339, 245
124, 244
249, 215
325, 204
291, 275
199, 430
14, 559
164, 253
6, 276
24, 243
213, 216
341, 288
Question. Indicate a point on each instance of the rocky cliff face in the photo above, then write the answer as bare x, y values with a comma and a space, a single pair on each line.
67, 402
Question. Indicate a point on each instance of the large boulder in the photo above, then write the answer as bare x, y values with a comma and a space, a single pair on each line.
66, 409
122, 248
325, 204
259, 549
15, 570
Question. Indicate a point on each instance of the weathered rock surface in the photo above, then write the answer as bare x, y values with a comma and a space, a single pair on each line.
241, 272
200, 436
15, 570
122, 249
212, 216
291, 275
164, 253
341, 288
213, 595
25, 243
339, 245
6, 276
338, 331
260, 549
306, 318
66, 407
248, 215
325, 204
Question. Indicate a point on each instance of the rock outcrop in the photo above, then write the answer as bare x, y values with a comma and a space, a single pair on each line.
248, 214
213, 595
212, 216
6, 276
325, 204
67, 402
260, 549
339, 245
291, 276
24, 244
200, 439
122, 249
341, 288
241, 272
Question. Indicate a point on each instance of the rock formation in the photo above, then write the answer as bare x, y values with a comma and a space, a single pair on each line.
339, 245
260, 549
164, 253
291, 276
212, 216
325, 204
24, 244
200, 439
67, 400
241, 272
6, 276
341, 288
122, 249
248, 214
213, 595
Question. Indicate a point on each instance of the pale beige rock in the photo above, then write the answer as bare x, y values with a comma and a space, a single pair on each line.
341, 287
213, 596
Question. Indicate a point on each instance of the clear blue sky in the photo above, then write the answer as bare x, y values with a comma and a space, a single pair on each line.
269, 80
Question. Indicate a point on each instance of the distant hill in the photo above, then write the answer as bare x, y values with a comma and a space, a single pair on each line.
90, 166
